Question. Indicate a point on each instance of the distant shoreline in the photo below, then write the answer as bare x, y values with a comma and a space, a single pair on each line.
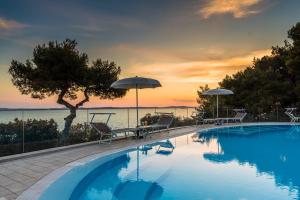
131, 107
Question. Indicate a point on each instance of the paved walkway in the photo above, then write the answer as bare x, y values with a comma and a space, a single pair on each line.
18, 175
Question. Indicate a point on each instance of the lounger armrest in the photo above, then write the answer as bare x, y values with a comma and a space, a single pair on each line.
158, 126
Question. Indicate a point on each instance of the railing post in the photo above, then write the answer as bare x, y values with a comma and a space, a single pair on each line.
128, 117
23, 132
227, 112
187, 112
87, 121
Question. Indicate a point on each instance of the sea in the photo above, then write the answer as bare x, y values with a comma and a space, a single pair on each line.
121, 117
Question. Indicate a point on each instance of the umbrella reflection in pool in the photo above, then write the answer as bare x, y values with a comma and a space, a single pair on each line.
91, 184
143, 189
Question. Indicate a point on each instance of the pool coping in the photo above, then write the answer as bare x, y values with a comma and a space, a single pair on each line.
251, 124
37, 189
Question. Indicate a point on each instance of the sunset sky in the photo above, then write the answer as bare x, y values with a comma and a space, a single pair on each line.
182, 43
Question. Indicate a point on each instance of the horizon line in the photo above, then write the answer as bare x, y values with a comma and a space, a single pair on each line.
86, 108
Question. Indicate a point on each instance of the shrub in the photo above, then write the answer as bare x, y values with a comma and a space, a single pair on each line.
38, 134
80, 133
34, 130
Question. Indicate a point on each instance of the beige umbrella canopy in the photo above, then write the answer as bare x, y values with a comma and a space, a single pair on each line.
217, 92
136, 83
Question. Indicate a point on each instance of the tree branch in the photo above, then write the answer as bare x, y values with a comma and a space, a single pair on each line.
61, 100
86, 98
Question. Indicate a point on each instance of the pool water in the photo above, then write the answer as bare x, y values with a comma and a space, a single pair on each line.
236, 163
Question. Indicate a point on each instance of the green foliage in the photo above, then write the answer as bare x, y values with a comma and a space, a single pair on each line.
205, 102
39, 134
80, 133
271, 81
35, 130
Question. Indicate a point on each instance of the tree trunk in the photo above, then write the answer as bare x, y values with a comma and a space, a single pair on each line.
69, 119
68, 123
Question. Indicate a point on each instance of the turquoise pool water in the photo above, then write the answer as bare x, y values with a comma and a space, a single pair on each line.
237, 163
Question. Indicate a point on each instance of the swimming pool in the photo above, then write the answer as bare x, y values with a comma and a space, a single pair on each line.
243, 162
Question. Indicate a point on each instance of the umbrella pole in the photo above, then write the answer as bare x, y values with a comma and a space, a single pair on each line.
138, 164
217, 106
137, 106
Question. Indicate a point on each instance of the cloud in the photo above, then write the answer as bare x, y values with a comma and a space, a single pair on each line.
209, 71
238, 8
8, 25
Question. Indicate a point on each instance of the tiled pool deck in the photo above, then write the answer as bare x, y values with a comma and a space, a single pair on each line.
18, 175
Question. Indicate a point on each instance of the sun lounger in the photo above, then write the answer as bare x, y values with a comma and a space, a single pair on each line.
198, 116
105, 132
209, 120
165, 120
289, 112
239, 116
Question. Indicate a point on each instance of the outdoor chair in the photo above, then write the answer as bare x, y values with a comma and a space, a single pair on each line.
239, 116
165, 120
289, 113
105, 132
209, 120
198, 117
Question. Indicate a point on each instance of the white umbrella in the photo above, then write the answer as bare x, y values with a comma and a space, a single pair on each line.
136, 83
217, 92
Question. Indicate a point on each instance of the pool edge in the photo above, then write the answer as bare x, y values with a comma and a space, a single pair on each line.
36, 190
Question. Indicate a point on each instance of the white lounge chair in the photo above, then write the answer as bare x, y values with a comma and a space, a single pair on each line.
165, 120
289, 112
198, 116
239, 116
209, 120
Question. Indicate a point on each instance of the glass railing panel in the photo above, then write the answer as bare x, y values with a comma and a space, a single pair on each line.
11, 132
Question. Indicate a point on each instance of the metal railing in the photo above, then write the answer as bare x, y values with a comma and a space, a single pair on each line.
29, 130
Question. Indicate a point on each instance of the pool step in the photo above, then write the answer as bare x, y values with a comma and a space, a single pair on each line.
143, 190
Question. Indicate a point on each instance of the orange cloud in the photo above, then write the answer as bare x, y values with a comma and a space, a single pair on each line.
201, 71
181, 78
8, 25
238, 8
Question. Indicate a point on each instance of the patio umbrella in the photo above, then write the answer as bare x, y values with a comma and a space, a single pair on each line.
136, 83
217, 92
